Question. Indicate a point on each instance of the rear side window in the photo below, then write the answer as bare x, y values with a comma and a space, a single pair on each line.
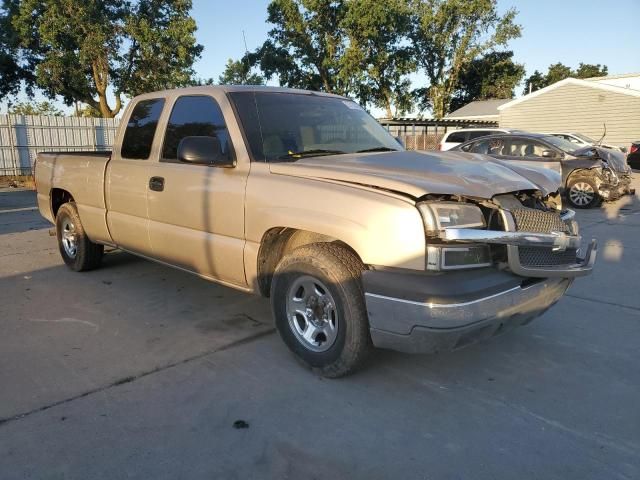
457, 137
479, 133
138, 137
194, 116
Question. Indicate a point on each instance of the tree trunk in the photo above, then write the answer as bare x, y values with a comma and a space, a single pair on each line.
101, 80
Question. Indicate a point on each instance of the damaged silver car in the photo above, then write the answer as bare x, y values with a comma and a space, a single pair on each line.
590, 174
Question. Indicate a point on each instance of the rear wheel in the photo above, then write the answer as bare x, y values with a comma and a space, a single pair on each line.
582, 192
77, 251
318, 305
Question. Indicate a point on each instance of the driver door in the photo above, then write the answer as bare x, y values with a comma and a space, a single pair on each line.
196, 212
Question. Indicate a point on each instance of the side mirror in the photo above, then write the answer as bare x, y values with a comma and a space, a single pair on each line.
549, 154
204, 151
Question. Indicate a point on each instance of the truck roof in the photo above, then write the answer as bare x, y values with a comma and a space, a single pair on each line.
234, 88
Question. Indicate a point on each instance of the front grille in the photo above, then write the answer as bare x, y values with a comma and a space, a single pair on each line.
537, 257
538, 221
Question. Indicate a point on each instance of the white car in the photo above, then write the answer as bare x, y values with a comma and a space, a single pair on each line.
582, 140
453, 138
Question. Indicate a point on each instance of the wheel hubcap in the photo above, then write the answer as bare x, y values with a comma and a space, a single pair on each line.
69, 238
582, 194
312, 314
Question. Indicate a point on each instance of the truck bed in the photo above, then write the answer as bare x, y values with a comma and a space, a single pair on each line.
82, 175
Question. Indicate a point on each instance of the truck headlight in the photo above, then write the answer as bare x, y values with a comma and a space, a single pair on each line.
441, 215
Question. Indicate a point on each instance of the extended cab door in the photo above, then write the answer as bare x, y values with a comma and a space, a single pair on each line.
128, 176
196, 212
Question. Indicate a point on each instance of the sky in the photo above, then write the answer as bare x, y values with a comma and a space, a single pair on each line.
567, 31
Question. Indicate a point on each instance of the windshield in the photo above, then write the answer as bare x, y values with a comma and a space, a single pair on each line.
286, 126
564, 145
584, 138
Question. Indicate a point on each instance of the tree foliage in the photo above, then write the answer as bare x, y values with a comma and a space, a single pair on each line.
36, 108
494, 75
559, 71
377, 55
305, 45
82, 50
447, 35
238, 72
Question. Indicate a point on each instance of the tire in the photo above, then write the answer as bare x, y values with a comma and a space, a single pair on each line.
339, 343
582, 192
78, 252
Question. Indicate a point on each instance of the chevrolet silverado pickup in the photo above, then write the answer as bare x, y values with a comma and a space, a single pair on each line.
304, 198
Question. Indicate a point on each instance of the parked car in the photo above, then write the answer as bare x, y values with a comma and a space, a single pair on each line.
304, 198
583, 141
589, 174
453, 138
633, 158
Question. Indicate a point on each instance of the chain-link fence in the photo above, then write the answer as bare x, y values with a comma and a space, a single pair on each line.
426, 134
23, 136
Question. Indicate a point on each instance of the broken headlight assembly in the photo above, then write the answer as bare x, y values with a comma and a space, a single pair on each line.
440, 216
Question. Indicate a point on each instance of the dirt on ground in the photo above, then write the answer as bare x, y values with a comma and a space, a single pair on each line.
17, 181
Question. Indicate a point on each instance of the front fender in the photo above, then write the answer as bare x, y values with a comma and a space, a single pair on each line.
382, 229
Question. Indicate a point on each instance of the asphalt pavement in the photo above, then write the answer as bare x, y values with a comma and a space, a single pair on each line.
141, 371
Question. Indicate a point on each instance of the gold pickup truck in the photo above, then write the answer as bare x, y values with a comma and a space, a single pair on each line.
303, 197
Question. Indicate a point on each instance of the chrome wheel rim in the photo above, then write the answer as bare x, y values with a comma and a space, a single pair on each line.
312, 314
582, 194
69, 238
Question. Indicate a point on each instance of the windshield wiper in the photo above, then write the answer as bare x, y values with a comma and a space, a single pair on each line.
378, 149
310, 153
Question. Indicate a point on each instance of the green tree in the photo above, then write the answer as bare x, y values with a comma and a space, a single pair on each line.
447, 35
559, 71
81, 51
377, 55
586, 70
305, 45
36, 108
238, 72
495, 75
86, 111
534, 82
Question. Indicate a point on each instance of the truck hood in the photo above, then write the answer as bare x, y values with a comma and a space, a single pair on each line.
421, 173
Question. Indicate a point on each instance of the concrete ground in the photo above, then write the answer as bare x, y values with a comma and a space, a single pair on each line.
140, 371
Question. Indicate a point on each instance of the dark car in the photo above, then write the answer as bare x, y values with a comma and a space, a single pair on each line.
590, 174
633, 159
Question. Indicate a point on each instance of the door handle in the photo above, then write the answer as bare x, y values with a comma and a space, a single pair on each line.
156, 184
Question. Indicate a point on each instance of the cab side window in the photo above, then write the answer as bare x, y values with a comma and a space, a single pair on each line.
141, 128
194, 116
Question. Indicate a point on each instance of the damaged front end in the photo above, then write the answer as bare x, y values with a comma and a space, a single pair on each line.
611, 173
525, 233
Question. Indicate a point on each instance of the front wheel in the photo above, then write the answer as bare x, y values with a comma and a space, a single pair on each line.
77, 251
318, 305
582, 192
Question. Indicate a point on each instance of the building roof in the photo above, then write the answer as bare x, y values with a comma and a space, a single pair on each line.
479, 108
572, 81
613, 77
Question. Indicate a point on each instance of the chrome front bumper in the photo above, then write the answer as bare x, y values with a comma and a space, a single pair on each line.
426, 327
512, 238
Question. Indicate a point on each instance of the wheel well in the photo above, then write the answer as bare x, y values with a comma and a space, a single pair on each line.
581, 173
58, 198
278, 242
